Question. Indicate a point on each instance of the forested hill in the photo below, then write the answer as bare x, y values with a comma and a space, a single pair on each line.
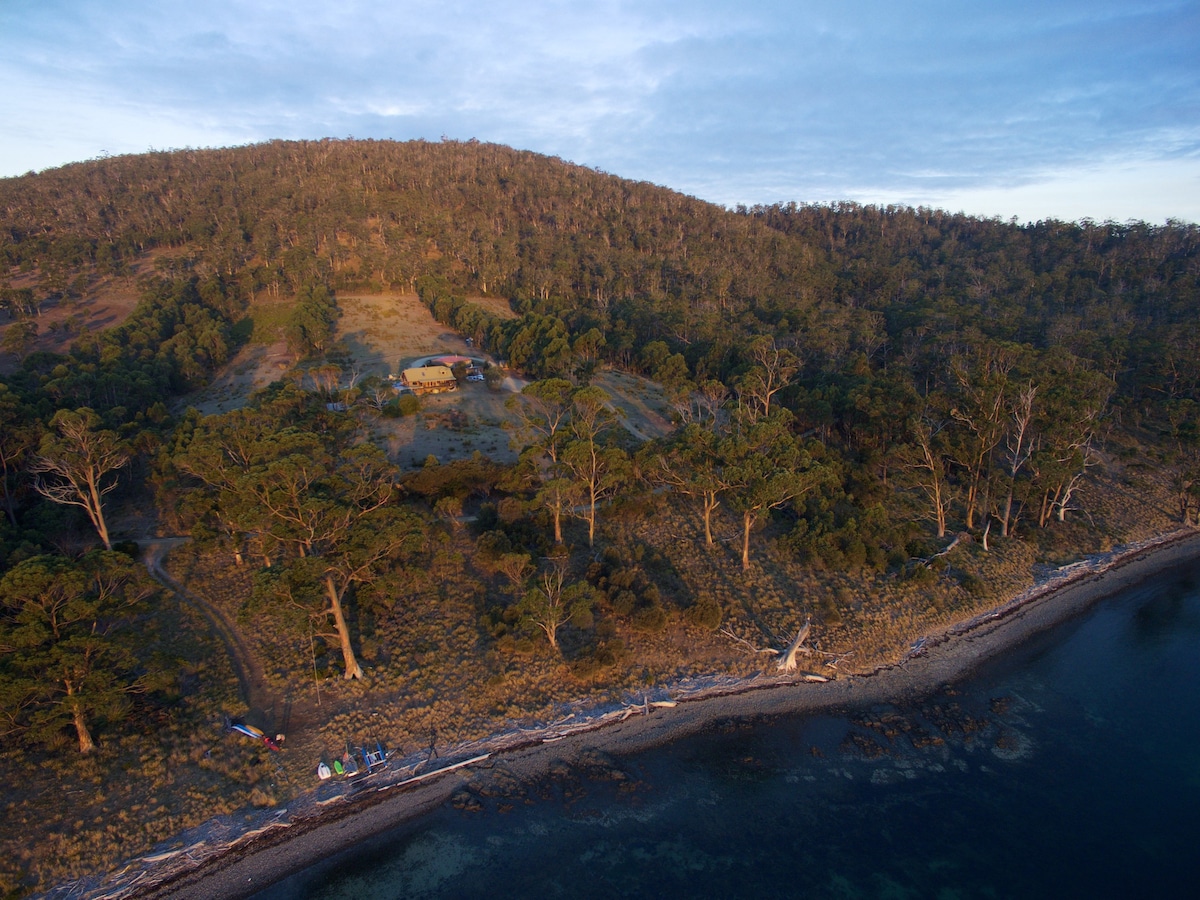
875, 319
883, 421
641, 262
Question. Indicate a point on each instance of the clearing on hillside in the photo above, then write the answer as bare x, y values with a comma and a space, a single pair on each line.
105, 303
381, 334
378, 332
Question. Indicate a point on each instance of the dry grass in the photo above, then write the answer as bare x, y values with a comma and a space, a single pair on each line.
65, 815
436, 674
105, 302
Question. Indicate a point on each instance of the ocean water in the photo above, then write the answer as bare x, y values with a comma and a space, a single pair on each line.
1068, 768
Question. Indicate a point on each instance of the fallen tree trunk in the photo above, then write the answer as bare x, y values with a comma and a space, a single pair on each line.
788, 661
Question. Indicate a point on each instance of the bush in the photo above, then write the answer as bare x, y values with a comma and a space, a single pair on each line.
705, 613
920, 574
650, 619
972, 584
828, 610
624, 602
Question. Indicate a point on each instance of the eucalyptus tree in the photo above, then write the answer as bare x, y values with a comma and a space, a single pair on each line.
766, 468
19, 338
543, 410
312, 321
980, 381
1020, 443
772, 369
597, 470
76, 460
929, 463
1069, 417
553, 600
322, 512
565, 432
336, 511
68, 635
691, 465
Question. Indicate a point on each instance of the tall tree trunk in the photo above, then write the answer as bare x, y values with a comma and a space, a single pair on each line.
86, 744
1045, 508
1020, 449
353, 669
933, 462
1064, 501
95, 509
710, 503
747, 524
972, 497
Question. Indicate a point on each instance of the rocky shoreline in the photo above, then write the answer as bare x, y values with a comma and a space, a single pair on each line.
226, 862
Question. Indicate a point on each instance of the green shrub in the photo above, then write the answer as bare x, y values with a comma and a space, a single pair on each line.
624, 602
650, 619
828, 610
920, 574
972, 584
705, 613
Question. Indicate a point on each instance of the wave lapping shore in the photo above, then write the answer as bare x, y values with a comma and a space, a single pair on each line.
234, 857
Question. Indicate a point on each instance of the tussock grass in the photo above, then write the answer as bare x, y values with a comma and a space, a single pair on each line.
445, 668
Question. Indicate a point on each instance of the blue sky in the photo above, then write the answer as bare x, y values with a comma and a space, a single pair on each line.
1000, 108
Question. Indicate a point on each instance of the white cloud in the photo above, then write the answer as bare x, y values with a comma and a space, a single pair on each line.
780, 100
1150, 190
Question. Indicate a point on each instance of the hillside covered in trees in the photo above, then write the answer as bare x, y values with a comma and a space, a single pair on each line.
884, 419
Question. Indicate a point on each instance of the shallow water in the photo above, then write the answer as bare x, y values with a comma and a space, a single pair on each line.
1069, 768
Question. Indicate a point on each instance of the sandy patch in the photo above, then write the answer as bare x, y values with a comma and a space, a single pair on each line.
450, 426
644, 410
385, 332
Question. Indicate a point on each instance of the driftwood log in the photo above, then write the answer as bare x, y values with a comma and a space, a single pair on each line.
787, 657
787, 661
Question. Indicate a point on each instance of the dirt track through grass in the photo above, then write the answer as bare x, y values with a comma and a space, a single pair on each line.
252, 683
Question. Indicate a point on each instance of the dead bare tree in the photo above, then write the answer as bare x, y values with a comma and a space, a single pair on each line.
79, 456
1020, 446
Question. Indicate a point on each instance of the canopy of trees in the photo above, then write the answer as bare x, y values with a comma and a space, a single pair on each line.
843, 376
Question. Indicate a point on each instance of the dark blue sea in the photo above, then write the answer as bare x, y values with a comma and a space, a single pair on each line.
1068, 768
